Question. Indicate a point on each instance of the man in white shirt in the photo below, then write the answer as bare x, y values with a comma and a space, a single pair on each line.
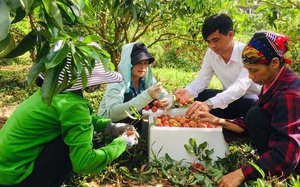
223, 58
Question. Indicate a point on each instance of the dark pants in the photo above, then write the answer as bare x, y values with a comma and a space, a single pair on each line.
51, 168
259, 128
238, 108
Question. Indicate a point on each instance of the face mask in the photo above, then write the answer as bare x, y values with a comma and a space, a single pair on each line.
91, 89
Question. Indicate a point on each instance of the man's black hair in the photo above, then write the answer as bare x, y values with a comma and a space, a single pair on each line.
221, 22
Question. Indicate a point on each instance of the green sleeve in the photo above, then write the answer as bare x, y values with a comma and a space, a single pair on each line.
99, 123
78, 130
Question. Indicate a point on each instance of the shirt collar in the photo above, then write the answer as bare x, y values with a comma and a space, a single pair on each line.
266, 86
236, 53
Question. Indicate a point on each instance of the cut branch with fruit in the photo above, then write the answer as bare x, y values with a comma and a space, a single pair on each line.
203, 162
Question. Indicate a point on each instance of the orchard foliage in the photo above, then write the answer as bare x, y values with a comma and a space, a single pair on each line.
152, 21
48, 40
283, 17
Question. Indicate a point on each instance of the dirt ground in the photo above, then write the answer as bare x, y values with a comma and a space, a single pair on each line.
5, 112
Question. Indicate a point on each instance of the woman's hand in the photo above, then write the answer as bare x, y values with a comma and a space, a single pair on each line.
205, 116
154, 91
182, 94
197, 106
167, 103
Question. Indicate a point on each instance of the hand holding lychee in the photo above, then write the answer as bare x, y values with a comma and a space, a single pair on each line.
166, 103
181, 100
154, 91
130, 136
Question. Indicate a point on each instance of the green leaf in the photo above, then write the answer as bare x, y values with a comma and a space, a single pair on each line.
208, 182
258, 169
4, 43
43, 51
80, 3
90, 38
49, 87
75, 10
44, 33
90, 52
83, 79
66, 12
182, 181
47, 6
203, 145
26, 4
209, 152
189, 149
54, 13
38, 67
13, 5
168, 158
105, 60
4, 20
199, 176
57, 53
10, 46
20, 15
64, 84
193, 144
77, 60
26, 44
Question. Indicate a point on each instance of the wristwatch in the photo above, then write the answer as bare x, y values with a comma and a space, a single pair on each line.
209, 103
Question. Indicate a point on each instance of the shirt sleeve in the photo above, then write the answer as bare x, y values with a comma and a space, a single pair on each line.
115, 108
233, 92
99, 123
284, 150
203, 78
77, 132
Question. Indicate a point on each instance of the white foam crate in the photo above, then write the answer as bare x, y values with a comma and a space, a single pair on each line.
171, 140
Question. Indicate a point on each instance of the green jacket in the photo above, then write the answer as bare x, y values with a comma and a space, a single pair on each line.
33, 124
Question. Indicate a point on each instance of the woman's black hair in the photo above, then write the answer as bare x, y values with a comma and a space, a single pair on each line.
221, 22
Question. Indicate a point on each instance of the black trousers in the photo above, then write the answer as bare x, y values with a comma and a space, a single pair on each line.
238, 108
259, 128
51, 168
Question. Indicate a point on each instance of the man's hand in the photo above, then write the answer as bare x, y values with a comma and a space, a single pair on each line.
182, 94
233, 179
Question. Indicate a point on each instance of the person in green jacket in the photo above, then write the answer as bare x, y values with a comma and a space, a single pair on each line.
41, 145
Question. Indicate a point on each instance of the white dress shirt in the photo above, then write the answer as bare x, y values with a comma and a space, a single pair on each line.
233, 77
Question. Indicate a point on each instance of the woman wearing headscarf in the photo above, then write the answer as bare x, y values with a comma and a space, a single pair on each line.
273, 124
137, 89
41, 145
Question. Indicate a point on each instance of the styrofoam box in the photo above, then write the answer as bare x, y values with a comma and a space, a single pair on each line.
171, 140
